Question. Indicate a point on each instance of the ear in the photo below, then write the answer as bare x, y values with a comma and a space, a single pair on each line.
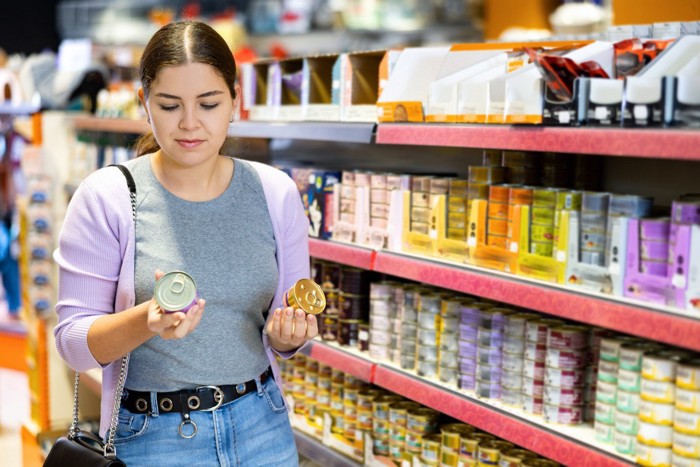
237, 101
142, 98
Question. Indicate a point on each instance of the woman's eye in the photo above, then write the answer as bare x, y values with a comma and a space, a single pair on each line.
168, 108
209, 106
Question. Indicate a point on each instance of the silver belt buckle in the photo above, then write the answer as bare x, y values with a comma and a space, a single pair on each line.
218, 397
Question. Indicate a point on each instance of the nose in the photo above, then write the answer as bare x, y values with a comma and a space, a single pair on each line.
189, 119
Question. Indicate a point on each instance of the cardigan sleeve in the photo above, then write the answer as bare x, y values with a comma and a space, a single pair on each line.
89, 258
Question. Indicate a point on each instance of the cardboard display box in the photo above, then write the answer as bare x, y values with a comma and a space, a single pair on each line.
317, 89
358, 79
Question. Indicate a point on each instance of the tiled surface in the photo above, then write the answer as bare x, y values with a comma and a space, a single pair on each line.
14, 410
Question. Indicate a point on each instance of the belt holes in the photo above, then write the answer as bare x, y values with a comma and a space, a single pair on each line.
193, 402
141, 405
166, 404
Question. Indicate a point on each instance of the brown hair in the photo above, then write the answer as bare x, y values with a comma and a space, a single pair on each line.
180, 43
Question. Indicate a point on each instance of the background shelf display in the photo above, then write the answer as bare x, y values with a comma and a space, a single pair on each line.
569, 445
320, 453
671, 326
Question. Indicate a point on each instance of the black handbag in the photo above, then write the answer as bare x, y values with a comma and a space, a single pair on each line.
81, 448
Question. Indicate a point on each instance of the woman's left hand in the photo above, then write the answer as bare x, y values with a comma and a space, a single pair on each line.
289, 329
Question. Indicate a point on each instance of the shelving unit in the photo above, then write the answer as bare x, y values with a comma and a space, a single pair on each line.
568, 445
320, 453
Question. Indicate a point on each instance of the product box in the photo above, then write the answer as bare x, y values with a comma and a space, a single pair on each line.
643, 104
640, 285
684, 272
352, 212
479, 253
317, 192
623, 32
544, 268
473, 95
590, 277
263, 91
519, 94
317, 89
289, 80
423, 240
600, 101
357, 83
682, 96
406, 93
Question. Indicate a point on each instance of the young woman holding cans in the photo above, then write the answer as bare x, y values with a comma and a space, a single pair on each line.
202, 386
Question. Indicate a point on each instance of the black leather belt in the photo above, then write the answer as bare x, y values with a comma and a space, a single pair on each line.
204, 398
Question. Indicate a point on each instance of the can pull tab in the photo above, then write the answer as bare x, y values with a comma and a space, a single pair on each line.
177, 286
312, 299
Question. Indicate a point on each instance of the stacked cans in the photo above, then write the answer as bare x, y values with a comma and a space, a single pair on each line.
428, 334
311, 387
609, 399
631, 206
327, 274
542, 221
337, 396
686, 421
448, 348
420, 421
489, 352
654, 245
534, 363
457, 213
365, 410
594, 222
382, 315
347, 200
420, 205
351, 391
353, 304
378, 201
513, 358
497, 226
450, 439
407, 313
397, 420
656, 408
381, 434
468, 331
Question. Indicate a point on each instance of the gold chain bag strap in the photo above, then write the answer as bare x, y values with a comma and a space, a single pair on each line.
81, 448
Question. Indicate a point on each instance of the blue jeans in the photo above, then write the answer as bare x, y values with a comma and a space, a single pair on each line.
253, 430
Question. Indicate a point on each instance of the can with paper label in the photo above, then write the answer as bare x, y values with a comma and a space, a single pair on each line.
176, 291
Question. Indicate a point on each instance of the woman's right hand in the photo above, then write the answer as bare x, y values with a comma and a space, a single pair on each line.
173, 325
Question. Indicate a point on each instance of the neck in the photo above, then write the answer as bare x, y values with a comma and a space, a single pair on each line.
203, 182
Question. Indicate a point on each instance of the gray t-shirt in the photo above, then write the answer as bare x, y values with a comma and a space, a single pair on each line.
227, 245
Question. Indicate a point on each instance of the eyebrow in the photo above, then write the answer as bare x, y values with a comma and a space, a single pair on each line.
206, 94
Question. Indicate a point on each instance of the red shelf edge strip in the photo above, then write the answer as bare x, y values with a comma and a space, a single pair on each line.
519, 432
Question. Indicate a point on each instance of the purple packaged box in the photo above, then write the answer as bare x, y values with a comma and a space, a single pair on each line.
467, 349
640, 285
467, 382
685, 212
467, 366
655, 268
654, 250
655, 229
684, 270
316, 189
468, 332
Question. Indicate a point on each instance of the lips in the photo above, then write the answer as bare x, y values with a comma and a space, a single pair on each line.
189, 143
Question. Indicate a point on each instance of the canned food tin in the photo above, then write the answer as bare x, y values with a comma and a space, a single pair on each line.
563, 396
533, 405
604, 432
658, 391
631, 354
380, 445
381, 405
422, 420
535, 351
688, 374
536, 330
348, 332
512, 362
628, 402
686, 422
653, 456
656, 413
467, 382
176, 291
467, 366
513, 345
449, 342
381, 428
687, 400
625, 443
681, 461
512, 397
533, 369
397, 433
605, 413
488, 389
469, 442
562, 415
414, 441
626, 423
629, 380
448, 375
307, 295
468, 332
606, 393
490, 373
448, 359
452, 433
566, 359
515, 324
427, 353
428, 336
686, 445
564, 378
398, 411
489, 337
533, 387
610, 347
489, 355
568, 337
655, 435
430, 447
449, 457
428, 369
488, 453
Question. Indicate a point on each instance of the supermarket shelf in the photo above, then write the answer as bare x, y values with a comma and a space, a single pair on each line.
111, 125
569, 445
359, 366
671, 326
319, 453
656, 143
316, 131
350, 255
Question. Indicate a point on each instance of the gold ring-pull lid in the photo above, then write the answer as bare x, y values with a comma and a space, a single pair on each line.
307, 295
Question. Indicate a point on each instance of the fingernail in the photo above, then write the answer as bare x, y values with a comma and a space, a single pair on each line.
278, 312
300, 313
289, 312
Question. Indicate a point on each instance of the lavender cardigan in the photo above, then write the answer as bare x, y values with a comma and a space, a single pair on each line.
96, 263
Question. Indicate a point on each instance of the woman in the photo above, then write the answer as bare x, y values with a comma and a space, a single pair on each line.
198, 387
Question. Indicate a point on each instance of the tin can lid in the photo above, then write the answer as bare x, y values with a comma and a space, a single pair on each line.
309, 296
175, 291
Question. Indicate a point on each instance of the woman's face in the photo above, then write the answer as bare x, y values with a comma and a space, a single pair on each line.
190, 108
